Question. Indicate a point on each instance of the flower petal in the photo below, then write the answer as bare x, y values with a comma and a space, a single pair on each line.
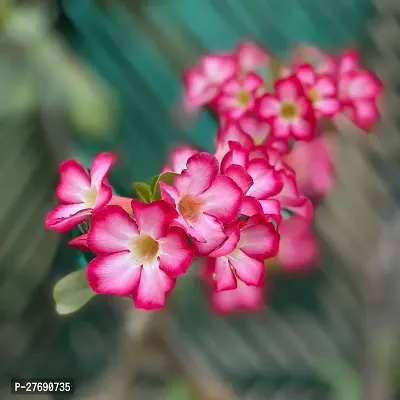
271, 208
224, 277
230, 243
249, 270
66, 216
268, 106
115, 273
303, 129
280, 128
288, 89
212, 230
100, 166
74, 181
238, 155
180, 156
112, 230
238, 174
223, 199
103, 197
251, 206
202, 169
155, 218
175, 252
218, 67
251, 56
246, 298
153, 287
259, 241
80, 243
267, 181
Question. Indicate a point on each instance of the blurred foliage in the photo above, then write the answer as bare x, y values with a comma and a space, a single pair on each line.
37, 70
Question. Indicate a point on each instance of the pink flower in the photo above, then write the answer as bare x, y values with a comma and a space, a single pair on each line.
204, 201
80, 193
312, 163
257, 179
288, 111
178, 159
358, 92
321, 90
251, 56
238, 95
203, 83
243, 298
321, 62
298, 248
140, 257
242, 254
289, 197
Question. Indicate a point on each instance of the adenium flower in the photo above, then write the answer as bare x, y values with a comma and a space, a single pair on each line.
242, 298
241, 255
238, 95
258, 180
288, 110
312, 163
289, 197
358, 91
321, 90
204, 201
203, 82
80, 193
138, 258
298, 247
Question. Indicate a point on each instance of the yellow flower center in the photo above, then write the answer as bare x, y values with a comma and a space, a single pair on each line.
313, 96
190, 208
289, 111
90, 197
145, 248
243, 98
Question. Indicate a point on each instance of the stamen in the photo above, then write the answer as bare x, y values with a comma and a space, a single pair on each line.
190, 208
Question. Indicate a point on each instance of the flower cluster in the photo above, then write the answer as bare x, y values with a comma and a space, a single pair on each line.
247, 205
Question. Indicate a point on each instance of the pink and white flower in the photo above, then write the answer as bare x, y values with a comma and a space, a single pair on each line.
289, 196
298, 248
204, 201
138, 258
312, 163
203, 82
238, 95
243, 298
251, 56
288, 111
242, 254
80, 193
178, 159
258, 180
321, 90
358, 92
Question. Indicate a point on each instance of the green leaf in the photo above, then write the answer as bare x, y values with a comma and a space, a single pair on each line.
72, 292
166, 177
179, 389
143, 192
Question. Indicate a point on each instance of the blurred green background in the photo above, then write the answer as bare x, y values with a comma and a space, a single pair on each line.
82, 76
